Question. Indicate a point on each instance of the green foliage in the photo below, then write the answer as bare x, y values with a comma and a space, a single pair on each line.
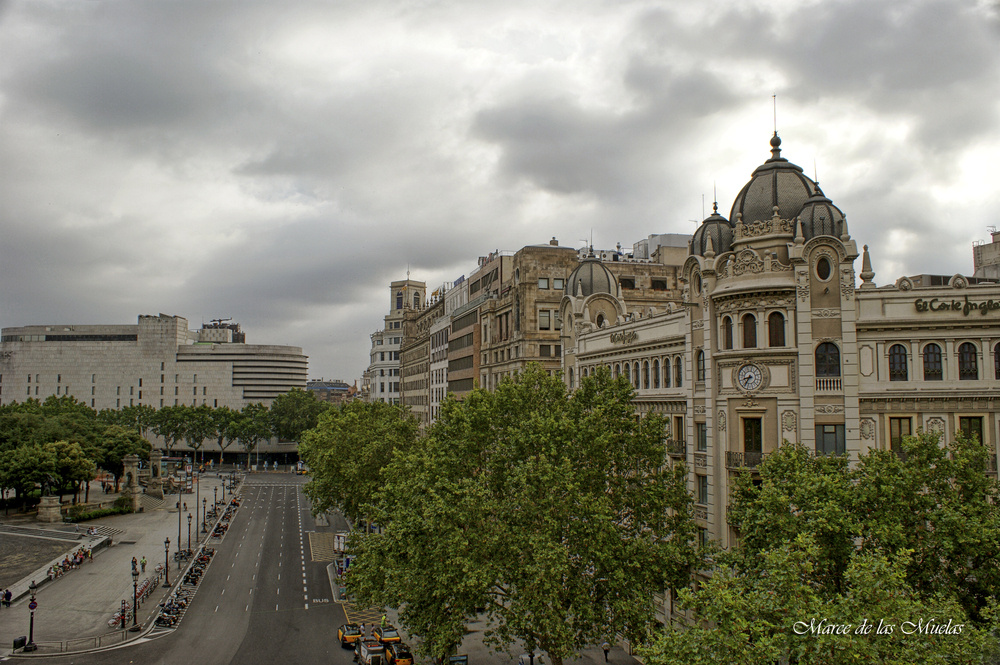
295, 412
557, 513
251, 425
100, 512
348, 451
896, 538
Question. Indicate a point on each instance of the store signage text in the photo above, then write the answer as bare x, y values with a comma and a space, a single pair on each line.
624, 337
964, 306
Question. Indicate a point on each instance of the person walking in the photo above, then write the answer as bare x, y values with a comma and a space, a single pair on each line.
607, 648
135, 564
142, 562
7, 595
384, 622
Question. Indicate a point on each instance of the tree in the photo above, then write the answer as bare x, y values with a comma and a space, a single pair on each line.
348, 450
71, 465
198, 426
118, 442
24, 467
252, 425
168, 424
777, 614
895, 538
294, 412
224, 426
558, 513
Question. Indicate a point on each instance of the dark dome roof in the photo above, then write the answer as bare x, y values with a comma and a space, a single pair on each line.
593, 277
718, 228
776, 182
820, 217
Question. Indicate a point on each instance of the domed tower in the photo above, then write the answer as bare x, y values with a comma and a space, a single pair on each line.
715, 229
819, 217
592, 299
765, 210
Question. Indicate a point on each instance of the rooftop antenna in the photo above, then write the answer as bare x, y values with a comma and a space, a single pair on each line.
774, 103
703, 206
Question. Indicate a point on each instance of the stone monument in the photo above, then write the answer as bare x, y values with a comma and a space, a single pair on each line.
155, 486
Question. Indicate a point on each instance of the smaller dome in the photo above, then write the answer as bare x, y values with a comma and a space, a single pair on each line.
820, 217
592, 276
715, 227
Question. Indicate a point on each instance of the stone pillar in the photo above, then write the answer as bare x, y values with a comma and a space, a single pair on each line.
131, 488
155, 486
48, 509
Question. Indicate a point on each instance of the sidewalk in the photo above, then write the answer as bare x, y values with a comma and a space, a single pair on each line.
79, 603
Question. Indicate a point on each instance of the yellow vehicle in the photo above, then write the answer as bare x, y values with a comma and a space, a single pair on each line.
398, 653
348, 634
387, 634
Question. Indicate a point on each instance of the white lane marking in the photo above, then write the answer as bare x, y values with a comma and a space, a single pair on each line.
223, 593
216, 608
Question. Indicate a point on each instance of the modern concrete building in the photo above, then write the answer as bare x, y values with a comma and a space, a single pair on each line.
156, 362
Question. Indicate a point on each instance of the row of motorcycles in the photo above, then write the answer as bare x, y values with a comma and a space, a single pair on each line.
173, 608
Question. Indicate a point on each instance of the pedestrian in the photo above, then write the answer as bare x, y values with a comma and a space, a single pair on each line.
607, 648
142, 562
384, 622
7, 596
362, 638
135, 564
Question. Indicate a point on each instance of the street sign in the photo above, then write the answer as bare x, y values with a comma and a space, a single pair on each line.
32, 605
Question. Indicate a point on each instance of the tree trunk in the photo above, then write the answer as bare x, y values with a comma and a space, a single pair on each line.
86, 498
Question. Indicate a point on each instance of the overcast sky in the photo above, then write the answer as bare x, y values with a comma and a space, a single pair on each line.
281, 162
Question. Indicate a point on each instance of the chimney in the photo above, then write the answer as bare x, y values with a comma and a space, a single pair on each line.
554, 242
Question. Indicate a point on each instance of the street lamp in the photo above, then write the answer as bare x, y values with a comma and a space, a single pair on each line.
31, 646
179, 495
204, 514
215, 498
189, 530
135, 601
197, 479
166, 556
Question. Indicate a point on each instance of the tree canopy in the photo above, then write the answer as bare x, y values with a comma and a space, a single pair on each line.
557, 513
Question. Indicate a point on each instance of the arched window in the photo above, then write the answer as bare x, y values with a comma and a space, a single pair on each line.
996, 361
678, 372
666, 372
897, 363
699, 364
600, 320
776, 329
933, 369
749, 331
635, 375
656, 373
827, 360
727, 333
571, 377
968, 362
645, 375
627, 371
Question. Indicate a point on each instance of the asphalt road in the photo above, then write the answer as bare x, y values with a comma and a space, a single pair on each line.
264, 599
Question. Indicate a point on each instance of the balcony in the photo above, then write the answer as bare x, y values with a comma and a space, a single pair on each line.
748, 460
829, 385
676, 448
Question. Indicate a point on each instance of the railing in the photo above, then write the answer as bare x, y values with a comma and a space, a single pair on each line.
747, 460
829, 385
676, 448
700, 513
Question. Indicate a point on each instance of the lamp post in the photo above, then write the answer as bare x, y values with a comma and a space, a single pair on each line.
215, 498
180, 493
189, 530
204, 514
166, 556
197, 496
31, 646
135, 601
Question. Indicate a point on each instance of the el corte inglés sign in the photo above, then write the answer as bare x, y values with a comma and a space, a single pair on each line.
964, 306
624, 337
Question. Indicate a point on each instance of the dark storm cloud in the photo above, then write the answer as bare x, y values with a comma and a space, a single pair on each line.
281, 163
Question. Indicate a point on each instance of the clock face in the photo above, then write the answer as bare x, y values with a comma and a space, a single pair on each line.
749, 377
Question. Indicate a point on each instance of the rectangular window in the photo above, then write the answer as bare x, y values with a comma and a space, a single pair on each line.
753, 437
558, 283
543, 282
972, 428
93, 378
544, 350
678, 428
701, 433
544, 320
702, 537
557, 350
830, 440
898, 428
140, 383
702, 482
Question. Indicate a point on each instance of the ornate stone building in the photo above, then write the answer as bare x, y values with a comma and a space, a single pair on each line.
773, 340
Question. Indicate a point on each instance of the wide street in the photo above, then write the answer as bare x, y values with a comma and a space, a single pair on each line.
265, 598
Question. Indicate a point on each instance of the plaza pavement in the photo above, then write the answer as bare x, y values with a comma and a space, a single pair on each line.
74, 609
